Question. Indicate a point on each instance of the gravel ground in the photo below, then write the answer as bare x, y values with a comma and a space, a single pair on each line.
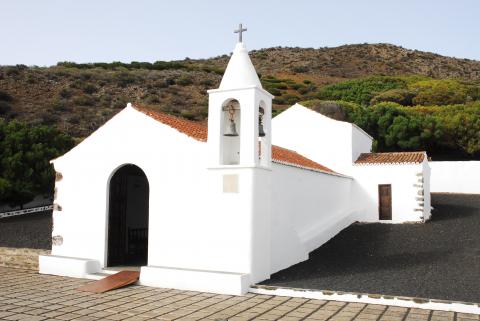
438, 260
31, 231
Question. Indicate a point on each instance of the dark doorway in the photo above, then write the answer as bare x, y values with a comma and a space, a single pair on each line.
128, 217
385, 202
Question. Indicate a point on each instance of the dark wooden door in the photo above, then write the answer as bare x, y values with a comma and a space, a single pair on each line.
117, 220
385, 202
128, 217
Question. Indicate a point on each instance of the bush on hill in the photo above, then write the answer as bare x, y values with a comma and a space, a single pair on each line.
360, 91
4, 96
439, 92
400, 96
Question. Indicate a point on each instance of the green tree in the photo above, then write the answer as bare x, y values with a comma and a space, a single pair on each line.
25, 170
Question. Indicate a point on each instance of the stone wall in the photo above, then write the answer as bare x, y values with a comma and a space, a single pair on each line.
21, 258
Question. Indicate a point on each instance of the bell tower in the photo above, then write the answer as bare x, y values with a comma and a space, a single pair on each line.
239, 115
239, 166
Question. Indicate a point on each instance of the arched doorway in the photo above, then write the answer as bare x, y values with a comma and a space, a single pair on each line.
128, 217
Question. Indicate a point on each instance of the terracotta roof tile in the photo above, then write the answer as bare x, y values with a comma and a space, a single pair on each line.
188, 127
391, 158
200, 132
290, 157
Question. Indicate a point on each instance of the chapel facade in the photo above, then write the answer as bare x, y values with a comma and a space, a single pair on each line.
222, 207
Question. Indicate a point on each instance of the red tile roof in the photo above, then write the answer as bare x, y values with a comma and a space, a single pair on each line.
391, 158
289, 157
188, 127
200, 132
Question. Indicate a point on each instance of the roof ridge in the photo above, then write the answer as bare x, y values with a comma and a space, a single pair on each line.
408, 157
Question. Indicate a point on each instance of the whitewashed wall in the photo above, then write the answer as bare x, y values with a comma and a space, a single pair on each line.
308, 208
332, 143
195, 226
455, 177
361, 142
129, 138
407, 191
427, 185
192, 223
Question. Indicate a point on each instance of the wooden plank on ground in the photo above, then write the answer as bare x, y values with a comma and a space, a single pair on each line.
114, 281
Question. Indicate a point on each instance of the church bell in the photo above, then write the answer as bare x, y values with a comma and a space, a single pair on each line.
261, 132
231, 129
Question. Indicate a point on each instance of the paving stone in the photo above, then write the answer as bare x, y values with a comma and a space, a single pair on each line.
85, 318
18, 316
5, 314
346, 314
468, 316
53, 307
441, 318
34, 318
419, 311
68, 316
29, 296
443, 313
119, 316
100, 314
38, 311
84, 311
21, 309
417, 317
288, 319
367, 317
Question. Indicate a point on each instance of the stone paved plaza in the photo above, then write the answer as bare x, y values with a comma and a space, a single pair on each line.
26, 295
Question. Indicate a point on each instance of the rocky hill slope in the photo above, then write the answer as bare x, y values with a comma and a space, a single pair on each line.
78, 98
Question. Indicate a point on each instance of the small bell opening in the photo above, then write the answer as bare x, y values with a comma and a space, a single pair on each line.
231, 128
261, 132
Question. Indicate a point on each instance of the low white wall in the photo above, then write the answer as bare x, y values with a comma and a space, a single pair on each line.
455, 177
308, 208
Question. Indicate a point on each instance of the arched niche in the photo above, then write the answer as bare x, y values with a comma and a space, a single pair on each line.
262, 133
230, 132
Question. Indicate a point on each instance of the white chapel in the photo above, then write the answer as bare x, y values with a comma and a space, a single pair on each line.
219, 209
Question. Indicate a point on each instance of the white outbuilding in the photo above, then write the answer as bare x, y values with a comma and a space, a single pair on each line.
218, 209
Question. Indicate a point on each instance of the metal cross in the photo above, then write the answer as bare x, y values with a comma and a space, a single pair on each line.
240, 31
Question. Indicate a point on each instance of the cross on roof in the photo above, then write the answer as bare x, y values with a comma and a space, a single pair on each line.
240, 30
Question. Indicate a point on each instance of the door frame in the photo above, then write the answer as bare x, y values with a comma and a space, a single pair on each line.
380, 186
107, 209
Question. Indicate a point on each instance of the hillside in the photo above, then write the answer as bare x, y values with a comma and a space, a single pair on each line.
78, 98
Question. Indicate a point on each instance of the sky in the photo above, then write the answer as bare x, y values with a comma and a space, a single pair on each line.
42, 33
